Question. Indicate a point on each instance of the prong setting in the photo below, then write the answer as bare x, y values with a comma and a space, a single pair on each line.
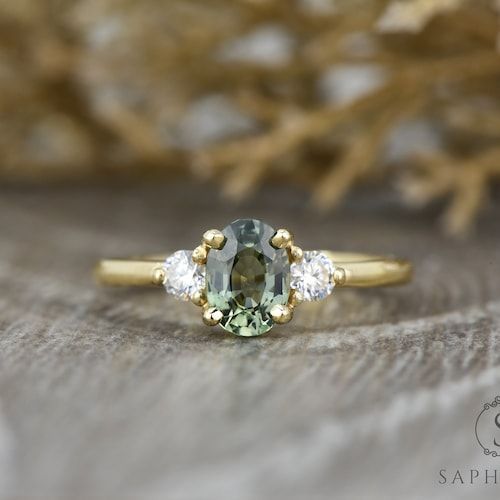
339, 276
281, 314
295, 298
159, 275
199, 298
212, 316
282, 239
295, 254
200, 254
213, 238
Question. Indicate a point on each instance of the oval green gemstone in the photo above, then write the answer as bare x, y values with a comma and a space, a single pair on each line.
247, 277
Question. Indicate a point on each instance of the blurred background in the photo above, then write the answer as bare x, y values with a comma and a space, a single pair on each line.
324, 94
130, 127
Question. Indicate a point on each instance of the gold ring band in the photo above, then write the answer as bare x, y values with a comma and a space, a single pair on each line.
361, 270
249, 277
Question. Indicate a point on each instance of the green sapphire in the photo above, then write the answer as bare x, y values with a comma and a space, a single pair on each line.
247, 277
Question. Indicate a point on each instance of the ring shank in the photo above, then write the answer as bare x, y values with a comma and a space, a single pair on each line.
361, 270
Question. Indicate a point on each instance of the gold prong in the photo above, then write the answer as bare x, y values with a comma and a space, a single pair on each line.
295, 298
159, 275
339, 276
200, 254
213, 238
296, 254
212, 316
282, 239
281, 313
199, 299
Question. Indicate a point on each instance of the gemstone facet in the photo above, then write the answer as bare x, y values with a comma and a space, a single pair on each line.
183, 277
247, 277
313, 276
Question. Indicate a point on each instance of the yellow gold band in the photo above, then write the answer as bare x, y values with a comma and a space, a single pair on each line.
355, 270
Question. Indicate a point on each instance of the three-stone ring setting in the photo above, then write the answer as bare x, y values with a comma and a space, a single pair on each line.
249, 276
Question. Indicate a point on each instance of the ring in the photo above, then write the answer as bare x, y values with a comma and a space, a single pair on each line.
249, 277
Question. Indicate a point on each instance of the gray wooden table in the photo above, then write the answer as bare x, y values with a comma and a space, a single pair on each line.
114, 393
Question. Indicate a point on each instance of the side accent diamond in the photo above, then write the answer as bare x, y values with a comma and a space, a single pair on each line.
183, 276
313, 276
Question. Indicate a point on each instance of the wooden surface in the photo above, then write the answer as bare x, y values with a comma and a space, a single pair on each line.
114, 393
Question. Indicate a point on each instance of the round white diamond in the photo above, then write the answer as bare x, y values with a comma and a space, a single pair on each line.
183, 276
313, 277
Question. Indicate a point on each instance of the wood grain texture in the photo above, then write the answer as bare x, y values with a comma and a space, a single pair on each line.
115, 393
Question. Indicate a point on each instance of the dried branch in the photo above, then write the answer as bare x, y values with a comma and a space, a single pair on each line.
304, 94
